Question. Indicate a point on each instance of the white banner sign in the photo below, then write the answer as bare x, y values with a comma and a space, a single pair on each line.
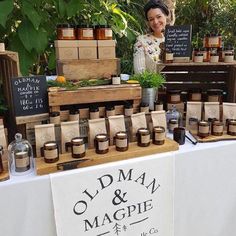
133, 198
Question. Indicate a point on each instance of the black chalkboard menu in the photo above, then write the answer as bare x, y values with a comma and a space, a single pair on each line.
178, 40
29, 95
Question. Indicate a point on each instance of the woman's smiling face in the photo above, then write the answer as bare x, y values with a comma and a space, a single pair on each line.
156, 20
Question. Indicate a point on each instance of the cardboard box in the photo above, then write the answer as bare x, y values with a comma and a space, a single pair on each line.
66, 49
87, 49
106, 49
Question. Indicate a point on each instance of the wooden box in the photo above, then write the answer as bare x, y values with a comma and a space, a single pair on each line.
88, 69
87, 49
66, 49
106, 49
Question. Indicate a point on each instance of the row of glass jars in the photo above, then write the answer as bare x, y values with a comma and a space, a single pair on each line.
225, 54
195, 95
83, 32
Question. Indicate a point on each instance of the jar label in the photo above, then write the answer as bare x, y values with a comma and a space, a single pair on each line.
108, 33
232, 128
213, 98
88, 33
102, 146
169, 56
198, 58
55, 120
172, 126
128, 112
74, 117
115, 80
196, 97
50, 154
229, 58
22, 162
213, 41
145, 138
203, 129
159, 136
218, 128
80, 149
68, 32
121, 143
175, 98
144, 109
214, 59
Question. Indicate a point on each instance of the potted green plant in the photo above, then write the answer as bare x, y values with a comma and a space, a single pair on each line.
150, 82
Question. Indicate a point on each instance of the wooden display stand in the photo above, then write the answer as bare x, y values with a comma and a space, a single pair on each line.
85, 69
95, 94
92, 158
212, 138
204, 75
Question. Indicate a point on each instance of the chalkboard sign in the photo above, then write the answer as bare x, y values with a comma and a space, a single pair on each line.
178, 40
29, 95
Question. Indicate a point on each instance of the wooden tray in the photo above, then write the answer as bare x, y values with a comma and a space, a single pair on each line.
213, 138
5, 175
92, 158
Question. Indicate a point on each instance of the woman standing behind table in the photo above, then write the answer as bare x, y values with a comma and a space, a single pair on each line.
147, 48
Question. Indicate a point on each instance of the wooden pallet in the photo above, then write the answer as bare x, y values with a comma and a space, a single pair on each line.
88, 68
185, 76
95, 94
92, 158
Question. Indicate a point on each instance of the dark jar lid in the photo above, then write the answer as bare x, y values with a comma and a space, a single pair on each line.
214, 34
214, 92
74, 112
174, 91
214, 54
54, 114
50, 145
199, 54
93, 109
203, 123
229, 54
158, 102
144, 104
143, 131
102, 26
128, 105
110, 108
232, 122
173, 121
85, 26
207, 35
195, 90
228, 47
101, 137
65, 25
196, 49
158, 129
77, 141
211, 120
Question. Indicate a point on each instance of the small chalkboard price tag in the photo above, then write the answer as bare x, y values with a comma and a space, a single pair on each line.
29, 95
178, 40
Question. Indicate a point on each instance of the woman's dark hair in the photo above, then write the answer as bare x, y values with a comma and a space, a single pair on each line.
152, 4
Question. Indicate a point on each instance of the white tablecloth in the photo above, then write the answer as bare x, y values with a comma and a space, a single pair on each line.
205, 195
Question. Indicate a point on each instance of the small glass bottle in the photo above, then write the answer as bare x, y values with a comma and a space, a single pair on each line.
168, 56
94, 112
231, 127
103, 32
85, 32
158, 105
1, 164
203, 129
78, 147
101, 143
121, 140
110, 110
20, 156
217, 128
193, 125
176, 118
174, 96
51, 152
66, 32
74, 115
115, 80
55, 117
143, 137
144, 107
128, 109
158, 135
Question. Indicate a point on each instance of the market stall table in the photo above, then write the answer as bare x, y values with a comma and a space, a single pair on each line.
204, 198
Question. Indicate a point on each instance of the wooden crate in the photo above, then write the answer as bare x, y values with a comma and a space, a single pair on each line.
95, 94
205, 75
88, 68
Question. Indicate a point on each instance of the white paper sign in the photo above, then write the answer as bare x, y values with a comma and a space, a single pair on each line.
133, 198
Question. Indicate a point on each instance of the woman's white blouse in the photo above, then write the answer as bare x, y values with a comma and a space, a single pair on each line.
147, 53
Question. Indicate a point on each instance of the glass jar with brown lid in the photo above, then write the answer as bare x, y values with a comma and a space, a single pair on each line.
195, 95
101, 143
231, 127
85, 32
51, 152
66, 32
103, 32
174, 96
143, 137
217, 128
121, 141
159, 135
214, 95
78, 147
203, 129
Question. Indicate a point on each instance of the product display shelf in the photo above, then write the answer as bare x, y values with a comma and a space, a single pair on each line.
95, 94
204, 75
85, 69
92, 158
